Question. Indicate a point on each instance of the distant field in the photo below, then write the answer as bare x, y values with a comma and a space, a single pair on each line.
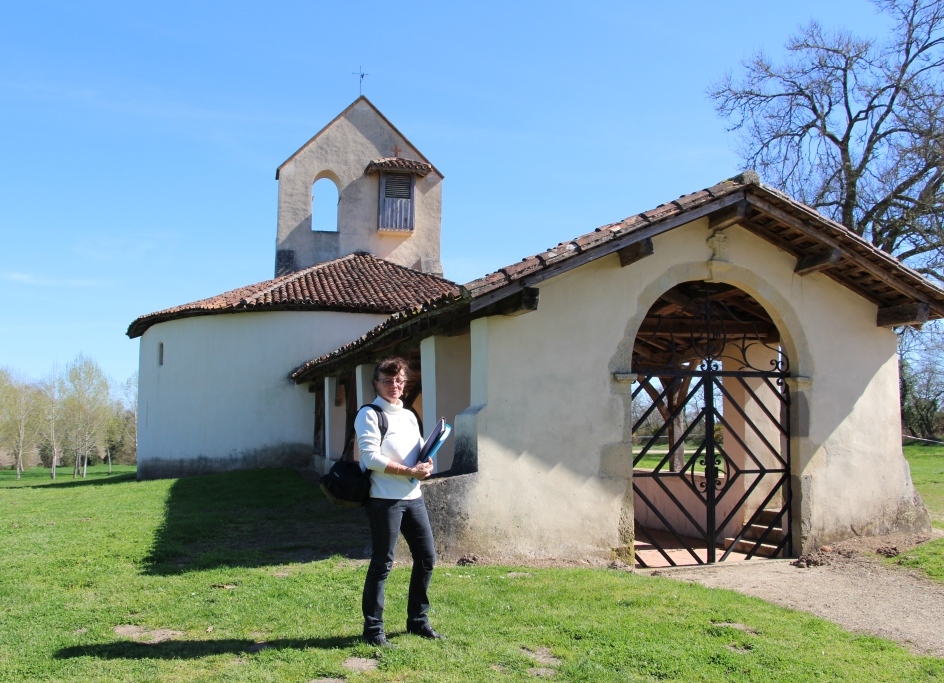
38, 476
253, 577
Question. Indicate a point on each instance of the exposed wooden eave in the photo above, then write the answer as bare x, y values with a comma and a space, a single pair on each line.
813, 263
906, 314
635, 252
687, 328
819, 236
739, 213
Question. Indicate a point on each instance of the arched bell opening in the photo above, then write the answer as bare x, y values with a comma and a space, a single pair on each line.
711, 416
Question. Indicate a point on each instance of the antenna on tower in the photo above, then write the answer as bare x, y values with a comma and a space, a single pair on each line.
360, 85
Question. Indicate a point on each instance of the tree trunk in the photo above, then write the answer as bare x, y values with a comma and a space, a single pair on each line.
676, 390
676, 445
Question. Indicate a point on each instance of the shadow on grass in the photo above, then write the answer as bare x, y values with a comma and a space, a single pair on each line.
194, 649
250, 519
92, 480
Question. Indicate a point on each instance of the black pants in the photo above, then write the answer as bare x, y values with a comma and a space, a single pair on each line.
387, 519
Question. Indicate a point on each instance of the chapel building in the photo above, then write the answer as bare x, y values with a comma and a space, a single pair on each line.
715, 377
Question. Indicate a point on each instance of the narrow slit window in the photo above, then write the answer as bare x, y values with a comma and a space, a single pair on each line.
160, 353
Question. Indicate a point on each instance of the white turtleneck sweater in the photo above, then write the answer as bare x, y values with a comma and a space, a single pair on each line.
400, 445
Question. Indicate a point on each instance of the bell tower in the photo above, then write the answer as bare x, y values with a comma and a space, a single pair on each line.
389, 196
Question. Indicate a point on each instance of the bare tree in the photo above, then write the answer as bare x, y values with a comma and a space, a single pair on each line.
129, 398
20, 403
921, 380
52, 427
854, 128
87, 406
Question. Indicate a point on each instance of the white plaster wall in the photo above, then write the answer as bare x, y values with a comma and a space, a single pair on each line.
553, 449
549, 411
222, 399
446, 389
341, 153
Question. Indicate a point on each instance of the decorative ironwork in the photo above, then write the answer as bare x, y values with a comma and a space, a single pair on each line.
706, 331
715, 462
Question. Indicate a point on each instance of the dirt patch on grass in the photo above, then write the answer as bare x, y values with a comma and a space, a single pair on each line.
846, 583
142, 635
360, 664
541, 655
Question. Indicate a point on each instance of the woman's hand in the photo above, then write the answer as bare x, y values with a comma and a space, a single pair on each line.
422, 470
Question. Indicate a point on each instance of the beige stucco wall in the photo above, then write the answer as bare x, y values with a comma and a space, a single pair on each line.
222, 399
550, 424
341, 153
446, 389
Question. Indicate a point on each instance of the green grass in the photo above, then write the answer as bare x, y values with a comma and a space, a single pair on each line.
37, 476
927, 473
230, 561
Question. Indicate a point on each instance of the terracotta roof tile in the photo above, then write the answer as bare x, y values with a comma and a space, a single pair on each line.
660, 212
566, 250
420, 168
358, 283
687, 201
591, 239
523, 267
724, 187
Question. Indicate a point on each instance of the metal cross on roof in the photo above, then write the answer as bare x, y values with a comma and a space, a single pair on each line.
360, 85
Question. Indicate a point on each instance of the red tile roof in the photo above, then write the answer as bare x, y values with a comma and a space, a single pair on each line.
891, 281
603, 234
359, 283
690, 206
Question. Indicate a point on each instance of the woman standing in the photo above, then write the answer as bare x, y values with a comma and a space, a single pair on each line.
396, 503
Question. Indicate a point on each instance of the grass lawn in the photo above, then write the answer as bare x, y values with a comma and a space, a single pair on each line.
252, 576
927, 473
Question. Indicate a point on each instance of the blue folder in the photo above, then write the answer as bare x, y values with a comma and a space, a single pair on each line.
436, 438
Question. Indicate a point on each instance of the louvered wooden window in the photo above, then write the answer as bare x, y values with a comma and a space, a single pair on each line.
396, 201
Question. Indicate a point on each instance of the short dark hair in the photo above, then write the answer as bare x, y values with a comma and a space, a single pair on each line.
391, 367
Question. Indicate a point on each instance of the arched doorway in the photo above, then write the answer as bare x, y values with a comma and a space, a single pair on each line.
711, 416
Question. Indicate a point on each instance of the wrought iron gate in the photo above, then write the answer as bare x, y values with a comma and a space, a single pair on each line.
711, 465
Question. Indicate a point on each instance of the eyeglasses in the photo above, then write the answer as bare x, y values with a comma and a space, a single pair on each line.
390, 381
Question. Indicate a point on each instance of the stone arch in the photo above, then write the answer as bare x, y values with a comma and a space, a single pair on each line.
325, 193
790, 338
781, 311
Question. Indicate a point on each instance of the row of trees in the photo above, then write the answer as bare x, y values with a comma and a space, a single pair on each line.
71, 417
921, 380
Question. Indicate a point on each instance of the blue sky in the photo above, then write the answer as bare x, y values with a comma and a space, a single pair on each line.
139, 141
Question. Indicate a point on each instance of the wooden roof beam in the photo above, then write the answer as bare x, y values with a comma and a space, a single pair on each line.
684, 329
906, 314
635, 252
849, 255
813, 263
518, 302
739, 213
